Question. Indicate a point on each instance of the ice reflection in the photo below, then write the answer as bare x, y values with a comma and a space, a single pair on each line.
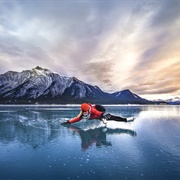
29, 127
26, 133
30, 135
98, 136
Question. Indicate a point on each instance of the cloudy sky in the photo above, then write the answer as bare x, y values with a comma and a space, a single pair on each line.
115, 44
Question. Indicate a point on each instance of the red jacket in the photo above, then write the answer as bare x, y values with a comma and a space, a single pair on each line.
94, 114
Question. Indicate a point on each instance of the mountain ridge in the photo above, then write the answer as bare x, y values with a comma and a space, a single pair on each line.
42, 86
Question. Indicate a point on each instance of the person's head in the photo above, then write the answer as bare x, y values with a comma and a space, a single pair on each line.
85, 107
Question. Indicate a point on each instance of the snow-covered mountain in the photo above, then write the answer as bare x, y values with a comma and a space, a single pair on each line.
174, 101
127, 96
170, 101
40, 85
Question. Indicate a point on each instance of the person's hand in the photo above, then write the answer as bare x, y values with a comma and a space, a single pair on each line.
104, 120
65, 123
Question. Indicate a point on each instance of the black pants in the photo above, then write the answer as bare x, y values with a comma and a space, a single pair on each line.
110, 117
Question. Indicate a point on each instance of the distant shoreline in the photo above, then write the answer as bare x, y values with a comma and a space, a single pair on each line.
77, 105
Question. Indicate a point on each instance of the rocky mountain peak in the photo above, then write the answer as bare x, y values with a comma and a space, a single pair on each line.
40, 71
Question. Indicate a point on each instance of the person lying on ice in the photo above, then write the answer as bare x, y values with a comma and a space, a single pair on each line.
96, 112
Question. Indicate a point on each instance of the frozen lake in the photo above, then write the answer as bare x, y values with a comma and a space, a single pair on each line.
33, 144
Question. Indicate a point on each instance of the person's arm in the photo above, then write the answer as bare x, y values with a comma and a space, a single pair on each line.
73, 120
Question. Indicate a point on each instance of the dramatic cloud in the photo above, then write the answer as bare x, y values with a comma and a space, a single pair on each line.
98, 72
112, 44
